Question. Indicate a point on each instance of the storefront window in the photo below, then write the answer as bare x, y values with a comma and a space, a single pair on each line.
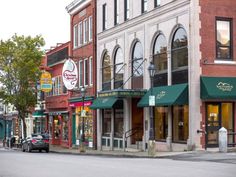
161, 123
106, 122
65, 128
180, 123
57, 127
118, 123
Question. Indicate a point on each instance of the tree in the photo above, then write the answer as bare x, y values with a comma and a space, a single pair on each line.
20, 58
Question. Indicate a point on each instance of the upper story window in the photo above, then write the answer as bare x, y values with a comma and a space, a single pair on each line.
157, 3
80, 33
90, 71
86, 74
224, 39
58, 88
144, 6
75, 36
118, 68
137, 60
126, 10
85, 31
81, 73
160, 60
179, 56
106, 72
90, 28
104, 16
116, 12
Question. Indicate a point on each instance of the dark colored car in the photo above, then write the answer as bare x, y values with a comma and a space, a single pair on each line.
36, 142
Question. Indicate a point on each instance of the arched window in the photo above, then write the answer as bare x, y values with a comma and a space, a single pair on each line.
118, 68
137, 66
106, 72
160, 60
179, 55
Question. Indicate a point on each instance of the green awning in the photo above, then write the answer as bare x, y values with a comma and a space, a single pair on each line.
167, 96
218, 88
103, 102
38, 114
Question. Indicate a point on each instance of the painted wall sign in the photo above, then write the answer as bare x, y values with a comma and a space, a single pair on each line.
70, 74
46, 82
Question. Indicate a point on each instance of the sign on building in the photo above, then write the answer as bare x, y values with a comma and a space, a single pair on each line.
46, 82
70, 74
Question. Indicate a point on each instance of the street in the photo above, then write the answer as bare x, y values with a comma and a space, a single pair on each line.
18, 164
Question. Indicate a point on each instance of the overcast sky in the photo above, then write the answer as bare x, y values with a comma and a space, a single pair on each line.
33, 17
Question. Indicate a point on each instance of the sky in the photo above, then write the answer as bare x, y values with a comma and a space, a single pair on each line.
48, 18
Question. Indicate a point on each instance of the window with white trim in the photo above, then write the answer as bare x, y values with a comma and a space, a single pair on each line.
157, 3
104, 17
116, 12
90, 28
81, 73
58, 87
86, 78
85, 23
75, 36
90, 71
80, 33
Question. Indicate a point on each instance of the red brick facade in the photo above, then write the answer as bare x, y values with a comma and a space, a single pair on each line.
210, 10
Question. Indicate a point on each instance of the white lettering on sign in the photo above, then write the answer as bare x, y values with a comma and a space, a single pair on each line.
225, 87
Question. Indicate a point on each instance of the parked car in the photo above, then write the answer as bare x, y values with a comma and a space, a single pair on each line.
36, 142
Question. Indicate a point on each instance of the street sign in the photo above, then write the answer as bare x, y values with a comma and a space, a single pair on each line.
83, 113
151, 100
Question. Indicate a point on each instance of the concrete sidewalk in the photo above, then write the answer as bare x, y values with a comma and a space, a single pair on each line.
116, 153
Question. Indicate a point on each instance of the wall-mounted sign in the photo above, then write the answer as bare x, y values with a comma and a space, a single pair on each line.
69, 74
46, 82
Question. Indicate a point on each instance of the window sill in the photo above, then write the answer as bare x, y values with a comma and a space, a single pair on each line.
225, 62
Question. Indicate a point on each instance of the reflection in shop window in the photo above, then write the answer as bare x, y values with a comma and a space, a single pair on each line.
119, 122
65, 128
161, 123
106, 127
180, 123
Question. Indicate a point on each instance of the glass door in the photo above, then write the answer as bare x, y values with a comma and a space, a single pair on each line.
212, 124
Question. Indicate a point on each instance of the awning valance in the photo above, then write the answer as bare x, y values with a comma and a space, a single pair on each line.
167, 96
103, 102
218, 88
38, 114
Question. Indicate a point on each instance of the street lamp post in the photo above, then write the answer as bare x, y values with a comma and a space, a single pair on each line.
151, 147
82, 147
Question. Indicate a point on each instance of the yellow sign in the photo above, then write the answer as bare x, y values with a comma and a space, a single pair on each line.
46, 82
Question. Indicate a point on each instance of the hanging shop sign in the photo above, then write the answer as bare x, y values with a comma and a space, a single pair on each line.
70, 74
46, 82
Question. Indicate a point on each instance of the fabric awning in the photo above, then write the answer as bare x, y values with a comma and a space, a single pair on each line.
218, 88
38, 113
167, 96
103, 102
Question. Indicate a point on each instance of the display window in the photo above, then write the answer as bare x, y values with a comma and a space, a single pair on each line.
180, 123
161, 123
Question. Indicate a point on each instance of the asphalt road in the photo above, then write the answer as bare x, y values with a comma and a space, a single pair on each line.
19, 164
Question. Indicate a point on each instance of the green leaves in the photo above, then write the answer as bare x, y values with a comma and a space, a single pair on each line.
20, 58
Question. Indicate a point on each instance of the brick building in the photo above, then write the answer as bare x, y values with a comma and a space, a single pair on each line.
56, 101
83, 52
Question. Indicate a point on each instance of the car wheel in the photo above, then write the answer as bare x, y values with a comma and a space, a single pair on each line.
47, 150
40, 150
28, 148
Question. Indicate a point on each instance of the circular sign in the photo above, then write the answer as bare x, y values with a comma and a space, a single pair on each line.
46, 82
69, 74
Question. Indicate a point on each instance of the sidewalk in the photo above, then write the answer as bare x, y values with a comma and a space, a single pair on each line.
116, 153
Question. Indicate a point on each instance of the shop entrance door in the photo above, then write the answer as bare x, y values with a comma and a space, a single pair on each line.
213, 124
218, 115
